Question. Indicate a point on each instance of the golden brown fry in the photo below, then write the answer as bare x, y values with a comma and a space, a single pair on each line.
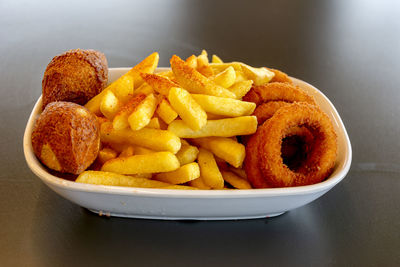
209, 169
166, 112
187, 108
225, 148
148, 163
235, 180
114, 179
182, 175
225, 127
194, 82
159, 83
158, 140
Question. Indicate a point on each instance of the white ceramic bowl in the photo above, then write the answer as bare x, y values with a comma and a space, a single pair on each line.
194, 204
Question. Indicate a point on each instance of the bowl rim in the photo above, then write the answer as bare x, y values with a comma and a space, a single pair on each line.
51, 180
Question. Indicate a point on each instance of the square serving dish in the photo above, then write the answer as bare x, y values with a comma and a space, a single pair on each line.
172, 204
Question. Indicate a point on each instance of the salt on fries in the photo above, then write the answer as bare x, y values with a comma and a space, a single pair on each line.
176, 129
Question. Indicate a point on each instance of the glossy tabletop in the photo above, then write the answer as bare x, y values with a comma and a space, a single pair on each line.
350, 50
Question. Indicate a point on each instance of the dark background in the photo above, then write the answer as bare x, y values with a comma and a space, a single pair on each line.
350, 50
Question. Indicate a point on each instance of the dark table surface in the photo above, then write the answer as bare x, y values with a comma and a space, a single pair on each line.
350, 50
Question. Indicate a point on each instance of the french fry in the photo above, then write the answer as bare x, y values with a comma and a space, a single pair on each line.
148, 163
209, 169
106, 154
123, 90
109, 105
225, 127
239, 172
166, 112
211, 116
224, 106
114, 179
120, 120
240, 89
219, 67
154, 123
195, 82
148, 65
127, 151
226, 78
142, 175
235, 180
240, 77
169, 74
158, 140
260, 76
192, 61
203, 65
187, 108
181, 187
224, 148
142, 115
199, 183
144, 89
182, 175
187, 154
139, 150
216, 59
159, 83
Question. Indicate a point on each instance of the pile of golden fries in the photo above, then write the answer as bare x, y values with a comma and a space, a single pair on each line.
176, 129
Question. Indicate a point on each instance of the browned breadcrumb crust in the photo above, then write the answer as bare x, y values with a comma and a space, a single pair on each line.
277, 91
280, 76
319, 162
71, 131
75, 76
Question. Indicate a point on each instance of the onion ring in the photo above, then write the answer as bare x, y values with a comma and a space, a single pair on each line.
321, 159
277, 91
266, 110
251, 162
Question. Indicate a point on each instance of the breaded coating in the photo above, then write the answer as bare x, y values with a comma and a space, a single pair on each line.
74, 76
66, 137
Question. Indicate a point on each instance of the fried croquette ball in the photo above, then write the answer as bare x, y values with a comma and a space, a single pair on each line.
74, 76
66, 137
